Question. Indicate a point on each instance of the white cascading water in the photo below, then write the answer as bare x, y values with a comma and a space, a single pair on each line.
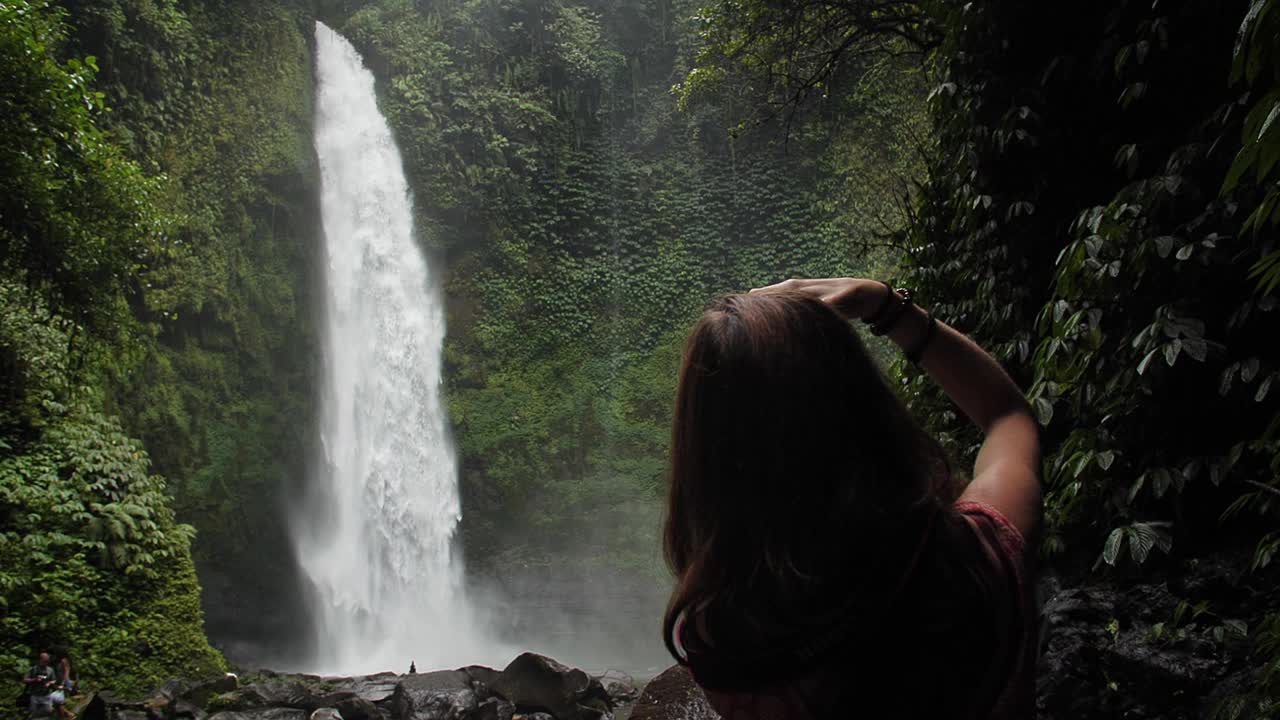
376, 539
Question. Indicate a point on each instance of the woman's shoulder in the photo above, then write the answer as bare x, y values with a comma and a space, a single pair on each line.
993, 529
1011, 567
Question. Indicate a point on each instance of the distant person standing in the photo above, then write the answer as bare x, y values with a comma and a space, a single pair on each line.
40, 681
65, 687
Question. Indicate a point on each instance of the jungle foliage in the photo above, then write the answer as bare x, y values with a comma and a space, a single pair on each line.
159, 216
1100, 210
216, 98
92, 559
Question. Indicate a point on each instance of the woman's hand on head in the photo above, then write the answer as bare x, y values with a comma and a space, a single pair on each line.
855, 298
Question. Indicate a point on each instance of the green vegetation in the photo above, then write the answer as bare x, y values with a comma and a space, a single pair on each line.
91, 557
217, 98
155, 280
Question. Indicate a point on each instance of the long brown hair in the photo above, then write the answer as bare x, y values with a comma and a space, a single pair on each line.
802, 493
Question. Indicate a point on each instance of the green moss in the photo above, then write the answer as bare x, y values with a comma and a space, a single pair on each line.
223, 701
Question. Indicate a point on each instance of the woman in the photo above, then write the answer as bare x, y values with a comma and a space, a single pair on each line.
825, 567
65, 687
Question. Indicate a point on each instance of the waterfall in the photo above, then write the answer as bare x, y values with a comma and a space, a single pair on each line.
376, 536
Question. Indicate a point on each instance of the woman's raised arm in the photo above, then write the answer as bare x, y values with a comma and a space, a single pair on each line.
1006, 474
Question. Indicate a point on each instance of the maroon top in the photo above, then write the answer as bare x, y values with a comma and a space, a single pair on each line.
1008, 566
1007, 549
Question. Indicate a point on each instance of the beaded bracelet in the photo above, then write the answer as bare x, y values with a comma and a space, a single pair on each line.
878, 315
882, 326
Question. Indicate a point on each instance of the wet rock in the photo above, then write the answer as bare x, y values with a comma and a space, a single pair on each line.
494, 709
376, 689
104, 705
287, 692
399, 706
348, 704
621, 691
183, 710
272, 692
261, 714
171, 690
443, 695
95, 708
1193, 666
1101, 659
186, 699
537, 683
453, 704
238, 700
199, 692
482, 679
439, 680
1072, 629
673, 695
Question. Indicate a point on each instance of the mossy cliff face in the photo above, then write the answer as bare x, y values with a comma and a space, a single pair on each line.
92, 559
217, 98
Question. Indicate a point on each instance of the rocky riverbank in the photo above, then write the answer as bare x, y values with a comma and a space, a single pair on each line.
531, 687
1168, 650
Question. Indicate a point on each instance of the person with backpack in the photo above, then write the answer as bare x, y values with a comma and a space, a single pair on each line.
40, 681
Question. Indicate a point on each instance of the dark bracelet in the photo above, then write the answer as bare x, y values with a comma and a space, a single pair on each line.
878, 315
915, 353
895, 313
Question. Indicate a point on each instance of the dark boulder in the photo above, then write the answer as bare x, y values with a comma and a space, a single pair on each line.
443, 695
183, 710
673, 695
104, 705
535, 682
377, 689
350, 705
494, 708
621, 691
275, 713
198, 693
186, 699
166, 693
482, 679
271, 692
287, 692
240, 699
1102, 655
96, 707
399, 706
